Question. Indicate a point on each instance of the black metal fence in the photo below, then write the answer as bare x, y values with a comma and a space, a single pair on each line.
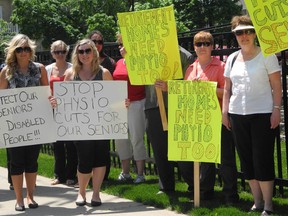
224, 45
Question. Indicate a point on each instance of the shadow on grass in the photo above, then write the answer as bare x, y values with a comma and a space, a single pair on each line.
183, 202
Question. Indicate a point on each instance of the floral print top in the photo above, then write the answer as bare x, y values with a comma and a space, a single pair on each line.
32, 78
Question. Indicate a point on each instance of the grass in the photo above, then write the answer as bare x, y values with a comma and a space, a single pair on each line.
180, 201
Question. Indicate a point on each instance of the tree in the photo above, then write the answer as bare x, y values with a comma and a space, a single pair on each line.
5, 36
206, 13
104, 26
68, 20
71, 20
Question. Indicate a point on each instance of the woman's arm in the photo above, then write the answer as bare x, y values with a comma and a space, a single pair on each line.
3, 80
107, 75
44, 77
225, 103
68, 74
275, 82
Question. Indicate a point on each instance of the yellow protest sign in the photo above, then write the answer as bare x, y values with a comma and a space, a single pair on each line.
150, 39
270, 19
194, 121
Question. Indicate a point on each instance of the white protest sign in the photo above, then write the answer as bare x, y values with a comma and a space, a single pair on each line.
91, 110
26, 117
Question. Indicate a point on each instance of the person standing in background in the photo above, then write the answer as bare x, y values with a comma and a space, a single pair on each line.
65, 155
251, 109
158, 137
105, 61
134, 145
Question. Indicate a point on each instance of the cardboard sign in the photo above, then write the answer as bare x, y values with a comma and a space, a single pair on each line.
194, 121
150, 39
26, 117
270, 19
91, 110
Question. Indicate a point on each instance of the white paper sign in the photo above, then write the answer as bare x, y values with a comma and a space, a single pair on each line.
91, 110
26, 117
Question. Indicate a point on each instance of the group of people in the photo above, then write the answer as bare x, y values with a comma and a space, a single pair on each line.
248, 90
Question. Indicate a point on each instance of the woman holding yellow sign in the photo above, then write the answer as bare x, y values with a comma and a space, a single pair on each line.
208, 68
20, 71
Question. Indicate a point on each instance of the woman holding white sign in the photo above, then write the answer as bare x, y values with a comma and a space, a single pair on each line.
20, 71
92, 154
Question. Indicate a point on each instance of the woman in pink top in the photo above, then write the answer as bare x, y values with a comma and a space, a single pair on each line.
134, 146
65, 155
209, 68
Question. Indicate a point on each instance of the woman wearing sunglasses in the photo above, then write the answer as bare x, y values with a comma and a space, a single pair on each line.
208, 68
251, 109
92, 155
106, 61
65, 155
20, 71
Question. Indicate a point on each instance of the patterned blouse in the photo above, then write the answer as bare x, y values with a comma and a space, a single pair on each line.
32, 78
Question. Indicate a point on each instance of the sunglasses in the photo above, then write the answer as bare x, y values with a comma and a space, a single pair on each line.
200, 44
58, 52
247, 32
86, 51
100, 42
23, 49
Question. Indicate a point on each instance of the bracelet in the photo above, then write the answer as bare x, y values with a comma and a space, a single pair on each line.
276, 107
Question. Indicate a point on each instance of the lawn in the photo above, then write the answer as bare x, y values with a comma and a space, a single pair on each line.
180, 201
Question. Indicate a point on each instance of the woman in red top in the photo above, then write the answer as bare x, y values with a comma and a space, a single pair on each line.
134, 146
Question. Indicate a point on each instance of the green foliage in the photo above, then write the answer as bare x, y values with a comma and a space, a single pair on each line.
71, 20
103, 23
206, 13
68, 20
5, 36
144, 5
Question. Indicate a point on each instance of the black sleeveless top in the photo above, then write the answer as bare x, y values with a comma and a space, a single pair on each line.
99, 76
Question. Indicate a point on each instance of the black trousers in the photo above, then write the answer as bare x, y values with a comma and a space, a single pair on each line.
8, 167
24, 159
255, 142
159, 142
228, 169
65, 164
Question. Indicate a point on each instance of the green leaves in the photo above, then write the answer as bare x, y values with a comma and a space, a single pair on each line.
71, 20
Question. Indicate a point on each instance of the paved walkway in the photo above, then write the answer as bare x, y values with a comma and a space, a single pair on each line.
60, 200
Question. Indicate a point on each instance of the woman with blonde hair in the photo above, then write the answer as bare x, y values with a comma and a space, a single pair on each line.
20, 71
92, 154
65, 155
